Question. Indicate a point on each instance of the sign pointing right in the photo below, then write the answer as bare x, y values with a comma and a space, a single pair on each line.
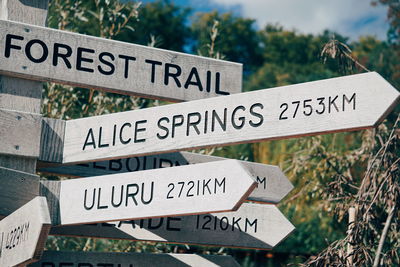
339, 104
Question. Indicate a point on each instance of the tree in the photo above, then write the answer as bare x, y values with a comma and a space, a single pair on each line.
237, 38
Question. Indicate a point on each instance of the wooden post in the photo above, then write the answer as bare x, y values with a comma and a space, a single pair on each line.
18, 94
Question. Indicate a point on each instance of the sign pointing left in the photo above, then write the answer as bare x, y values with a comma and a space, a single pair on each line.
193, 189
23, 233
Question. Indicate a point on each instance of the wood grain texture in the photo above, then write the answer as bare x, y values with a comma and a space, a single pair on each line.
23, 233
272, 186
51, 190
17, 188
94, 259
52, 140
19, 133
333, 105
193, 189
252, 226
113, 66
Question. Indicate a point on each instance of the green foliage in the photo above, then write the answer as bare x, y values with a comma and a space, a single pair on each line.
237, 40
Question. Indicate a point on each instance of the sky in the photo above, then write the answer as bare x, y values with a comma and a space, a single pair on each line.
351, 18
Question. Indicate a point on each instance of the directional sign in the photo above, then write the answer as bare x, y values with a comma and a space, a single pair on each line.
272, 186
23, 233
100, 259
44, 54
192, 189
253, 226
340, 104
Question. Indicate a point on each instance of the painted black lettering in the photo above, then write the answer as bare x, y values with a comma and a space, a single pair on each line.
153, 68
159, 136
205, 185
100, 134
190, 189
249, 224
151, 194
217, 85
115, 165
116, 205
242, 119
224, 223
106, 59
80, 59
87, 207
180, 191
193, 123
236, 223
352, 99
96, 165
261, 181
174, 75
127, 124
256, 114
331, 102
285, 107
99, 206
9, 46
64, 56
131, 195
219, 184
176, 123
297, 103
128, 166
126, 64
171, 219
305, 106
215, 116
193, 74
162, 161
322, 104
137, 130
172, 185
156, 226
28, 51
207, 222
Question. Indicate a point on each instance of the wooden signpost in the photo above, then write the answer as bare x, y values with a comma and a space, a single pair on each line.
192, 189
339, 104
253, 226
272, 186
23, 233
99, 259
46, 54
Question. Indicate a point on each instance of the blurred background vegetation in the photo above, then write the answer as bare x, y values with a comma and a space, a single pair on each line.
329, 172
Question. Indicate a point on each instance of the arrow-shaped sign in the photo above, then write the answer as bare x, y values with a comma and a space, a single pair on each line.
253, 226
45, 54
340, 104
272, 186
23, 233
192, 189
101, 259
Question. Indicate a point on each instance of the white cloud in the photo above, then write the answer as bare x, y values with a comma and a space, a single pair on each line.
351, 18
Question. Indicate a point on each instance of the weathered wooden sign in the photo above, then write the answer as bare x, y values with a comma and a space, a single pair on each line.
340, 104
253, 226
23, 233
101, 259
45, 54
272, 186
192, 189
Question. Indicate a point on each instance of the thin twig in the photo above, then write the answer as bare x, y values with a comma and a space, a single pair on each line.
383, 236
